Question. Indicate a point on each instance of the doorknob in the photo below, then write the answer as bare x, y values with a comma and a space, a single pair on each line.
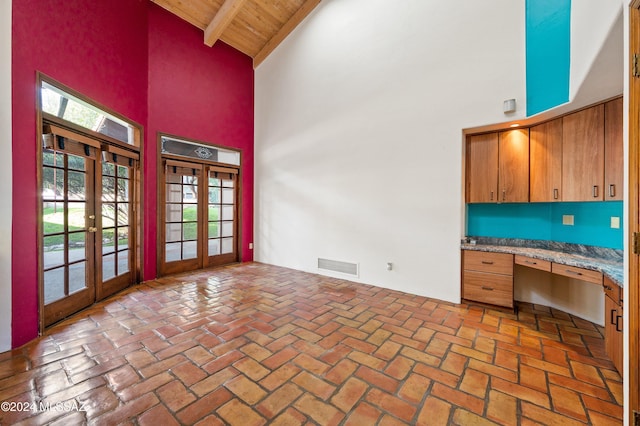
93, 216
92, 229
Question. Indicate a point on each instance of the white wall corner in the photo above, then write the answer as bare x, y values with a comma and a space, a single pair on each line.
358, 122
5, 176
597, 53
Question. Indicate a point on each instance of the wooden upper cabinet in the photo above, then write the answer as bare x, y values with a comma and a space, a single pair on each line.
583, 155
613, 151
482, 168
513, 166
545, 162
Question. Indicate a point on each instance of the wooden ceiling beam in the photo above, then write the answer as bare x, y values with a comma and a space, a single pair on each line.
223, 18
306, 8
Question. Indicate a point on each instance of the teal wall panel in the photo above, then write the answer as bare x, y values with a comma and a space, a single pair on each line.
543, 221
548, 47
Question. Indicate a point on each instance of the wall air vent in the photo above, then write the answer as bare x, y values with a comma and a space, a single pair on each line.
338, 266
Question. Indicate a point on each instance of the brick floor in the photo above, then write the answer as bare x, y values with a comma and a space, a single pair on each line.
253, 344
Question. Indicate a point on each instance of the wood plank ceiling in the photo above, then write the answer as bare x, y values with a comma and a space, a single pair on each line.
254, 27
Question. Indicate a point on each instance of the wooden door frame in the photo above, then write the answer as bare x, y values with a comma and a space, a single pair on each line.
138, 202
633, 304
161, 156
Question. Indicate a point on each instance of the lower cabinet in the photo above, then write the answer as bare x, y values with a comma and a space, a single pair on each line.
488, 278
613, 336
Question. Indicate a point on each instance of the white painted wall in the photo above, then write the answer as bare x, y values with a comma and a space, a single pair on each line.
596, 47
359, 118
5, 175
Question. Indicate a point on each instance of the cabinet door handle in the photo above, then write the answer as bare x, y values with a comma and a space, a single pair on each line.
613, 314
484, 287
528, 262
569, 271
504, 195
555, 193
607, 287
487, 262
612, 190
595, 191
618, 318
491, 196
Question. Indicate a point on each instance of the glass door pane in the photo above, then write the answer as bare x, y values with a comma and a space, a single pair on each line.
181, 216
222, 223
67, 233
116, 224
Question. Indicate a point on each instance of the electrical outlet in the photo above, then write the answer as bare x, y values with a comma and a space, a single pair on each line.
615, 222
567, 219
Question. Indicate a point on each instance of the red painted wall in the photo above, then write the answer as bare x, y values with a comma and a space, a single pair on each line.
199, 93
106, 51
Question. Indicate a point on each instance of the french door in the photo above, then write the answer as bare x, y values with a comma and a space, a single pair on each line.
88, 226
199, 226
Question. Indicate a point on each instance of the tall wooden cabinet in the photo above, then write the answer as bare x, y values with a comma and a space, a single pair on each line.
545, 161
482, 168
513, 166
613, 151
498, 167
583, 155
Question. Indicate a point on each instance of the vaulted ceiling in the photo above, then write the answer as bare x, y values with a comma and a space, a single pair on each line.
254, 27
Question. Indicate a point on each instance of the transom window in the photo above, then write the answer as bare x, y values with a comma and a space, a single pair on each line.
61, 104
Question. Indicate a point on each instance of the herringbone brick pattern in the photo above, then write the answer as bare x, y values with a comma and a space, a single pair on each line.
253, 344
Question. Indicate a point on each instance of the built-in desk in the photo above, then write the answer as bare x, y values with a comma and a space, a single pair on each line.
603, 260
488, 276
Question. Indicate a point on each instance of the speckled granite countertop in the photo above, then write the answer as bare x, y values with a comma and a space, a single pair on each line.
606, 260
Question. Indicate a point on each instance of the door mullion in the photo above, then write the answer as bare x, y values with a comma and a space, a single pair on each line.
94, 200
203, 216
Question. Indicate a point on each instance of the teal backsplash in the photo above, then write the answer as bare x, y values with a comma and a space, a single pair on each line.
543, 221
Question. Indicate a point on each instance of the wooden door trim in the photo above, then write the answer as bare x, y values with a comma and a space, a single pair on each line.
204, 261
114, 145
632, 306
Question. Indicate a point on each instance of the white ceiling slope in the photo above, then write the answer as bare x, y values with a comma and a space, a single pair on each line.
605, 77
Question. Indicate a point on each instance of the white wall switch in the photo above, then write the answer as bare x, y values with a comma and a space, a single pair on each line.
615, 222
567, 219
250, 246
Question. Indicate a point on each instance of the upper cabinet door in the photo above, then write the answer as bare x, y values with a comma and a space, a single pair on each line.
546, 162
482, 168
513, 166
613, 151
583, 155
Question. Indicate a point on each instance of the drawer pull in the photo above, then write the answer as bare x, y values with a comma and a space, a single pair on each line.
569, 271
487, 262
612, 190
618, 321
528, 262
613, 312
484, 287
607, 287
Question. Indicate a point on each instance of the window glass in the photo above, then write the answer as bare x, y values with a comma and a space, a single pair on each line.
57, 102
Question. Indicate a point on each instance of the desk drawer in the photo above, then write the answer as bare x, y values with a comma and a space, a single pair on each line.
488, 288
612, 290
530, 262
577, 273
495, 263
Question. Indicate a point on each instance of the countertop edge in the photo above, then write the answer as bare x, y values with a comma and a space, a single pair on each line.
612, 270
